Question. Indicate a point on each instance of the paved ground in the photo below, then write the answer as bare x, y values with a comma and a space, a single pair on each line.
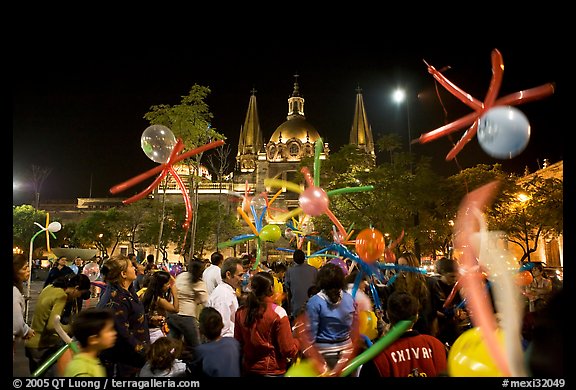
20, 362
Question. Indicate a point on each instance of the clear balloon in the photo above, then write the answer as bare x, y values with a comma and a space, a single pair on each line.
503, 132
92, 270
258, 202
314, 201
74, 268
469, 356
157, 142
370, 245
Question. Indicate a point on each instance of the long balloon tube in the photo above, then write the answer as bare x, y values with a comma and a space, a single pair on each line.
47, 232
307, 176
257, 223
496, 81
397, 330
230, 243
283, 184
452, 294
289, 214
447, 129
461, 95
258, 254
336, 222
261, 218
50, 361
247, 220
317, 152
466, 137
526, 95
349, 189
147, 190
481, 311
184, 195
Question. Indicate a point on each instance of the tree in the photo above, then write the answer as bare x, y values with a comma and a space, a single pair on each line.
24, 219
102, 229
219, 163
190, 121
39, 175
534, 209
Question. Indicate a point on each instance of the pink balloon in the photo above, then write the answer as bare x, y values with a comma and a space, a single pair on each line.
314, 201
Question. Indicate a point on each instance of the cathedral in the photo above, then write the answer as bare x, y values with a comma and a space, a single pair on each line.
293, 140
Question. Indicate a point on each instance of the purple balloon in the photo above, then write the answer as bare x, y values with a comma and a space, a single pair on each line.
340, 263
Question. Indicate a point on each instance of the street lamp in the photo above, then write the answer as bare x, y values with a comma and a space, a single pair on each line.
399, 96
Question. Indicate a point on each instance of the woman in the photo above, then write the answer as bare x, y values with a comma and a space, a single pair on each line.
263, 329
333, 318
20, 274
156, 304
51, 303
128, 355
192, 295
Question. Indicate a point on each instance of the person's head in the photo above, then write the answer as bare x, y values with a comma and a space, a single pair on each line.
119, 270
216, 258
448, 270
62, 262
210, 323
299, 256
280, 270
195, 269
150, 259
78, 261
94, 329
402, 306
261, 286
20, 271
331, 279
163, 352
408, 259
231, 271
537, 270
75, 285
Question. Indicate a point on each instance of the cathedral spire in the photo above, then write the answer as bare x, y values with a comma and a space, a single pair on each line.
296, 102
250, 142
361, 132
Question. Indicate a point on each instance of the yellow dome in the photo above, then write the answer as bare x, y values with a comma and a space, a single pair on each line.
297, 128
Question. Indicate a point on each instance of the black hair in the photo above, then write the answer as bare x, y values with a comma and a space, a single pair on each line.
216, 258
402, 306
154, 290
163, 352
299, 256
262, 286
80, 281
229, 265
90, 322
18, 262
446, 265
331, 279
195, 270
210, 323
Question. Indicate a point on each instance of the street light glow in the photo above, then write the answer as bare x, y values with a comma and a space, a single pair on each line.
399, 95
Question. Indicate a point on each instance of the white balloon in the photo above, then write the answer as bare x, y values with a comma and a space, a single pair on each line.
503, 132
157, 142
54, 227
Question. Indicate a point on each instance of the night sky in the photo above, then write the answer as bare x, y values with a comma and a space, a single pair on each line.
82, 114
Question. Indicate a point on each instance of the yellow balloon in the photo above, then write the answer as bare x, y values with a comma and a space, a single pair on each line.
302, 368
368, 324
316, 261
278, 296
469, 356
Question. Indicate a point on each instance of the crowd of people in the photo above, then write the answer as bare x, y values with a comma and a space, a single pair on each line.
235, 317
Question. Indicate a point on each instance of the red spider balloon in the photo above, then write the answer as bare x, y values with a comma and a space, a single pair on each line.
478, 106
165, 168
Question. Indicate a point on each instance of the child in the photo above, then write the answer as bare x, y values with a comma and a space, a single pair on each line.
94, 330
163, 359
220, 356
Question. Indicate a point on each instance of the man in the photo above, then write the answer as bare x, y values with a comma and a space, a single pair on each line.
211, 275
298, 279
223, 298
412, 354
59, 269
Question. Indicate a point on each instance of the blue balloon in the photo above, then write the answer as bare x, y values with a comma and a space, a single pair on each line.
74, 268
503, 132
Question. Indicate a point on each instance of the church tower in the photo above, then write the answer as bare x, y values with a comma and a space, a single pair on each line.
361, 132
250, 142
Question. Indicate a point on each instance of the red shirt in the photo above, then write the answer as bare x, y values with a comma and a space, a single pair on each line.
413, 354
268, 344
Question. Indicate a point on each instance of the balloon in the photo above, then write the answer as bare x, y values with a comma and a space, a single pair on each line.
368, 324
54, 227
523, 278
316, 262
92, 270
157, 142
63, 361
389, 256
258, 202
314, 201
340, 263
302, 368
503, 132
289, 234
370, 245
74, 268
480, 108
270, 233
469, 356
175, 270
278, 295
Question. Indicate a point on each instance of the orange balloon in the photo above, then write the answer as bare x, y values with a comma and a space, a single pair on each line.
63, 361
524, 278
370, 245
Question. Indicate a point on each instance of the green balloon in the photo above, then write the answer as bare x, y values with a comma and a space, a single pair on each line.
270, 233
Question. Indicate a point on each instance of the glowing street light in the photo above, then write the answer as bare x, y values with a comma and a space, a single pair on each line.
399, 96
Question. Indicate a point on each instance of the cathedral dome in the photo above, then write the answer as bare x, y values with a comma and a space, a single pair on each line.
296, 127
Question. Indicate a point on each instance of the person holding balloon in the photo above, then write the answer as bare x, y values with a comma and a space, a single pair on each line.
412, 354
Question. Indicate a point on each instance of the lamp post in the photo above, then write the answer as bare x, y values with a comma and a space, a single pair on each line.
399, 96
51, 228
